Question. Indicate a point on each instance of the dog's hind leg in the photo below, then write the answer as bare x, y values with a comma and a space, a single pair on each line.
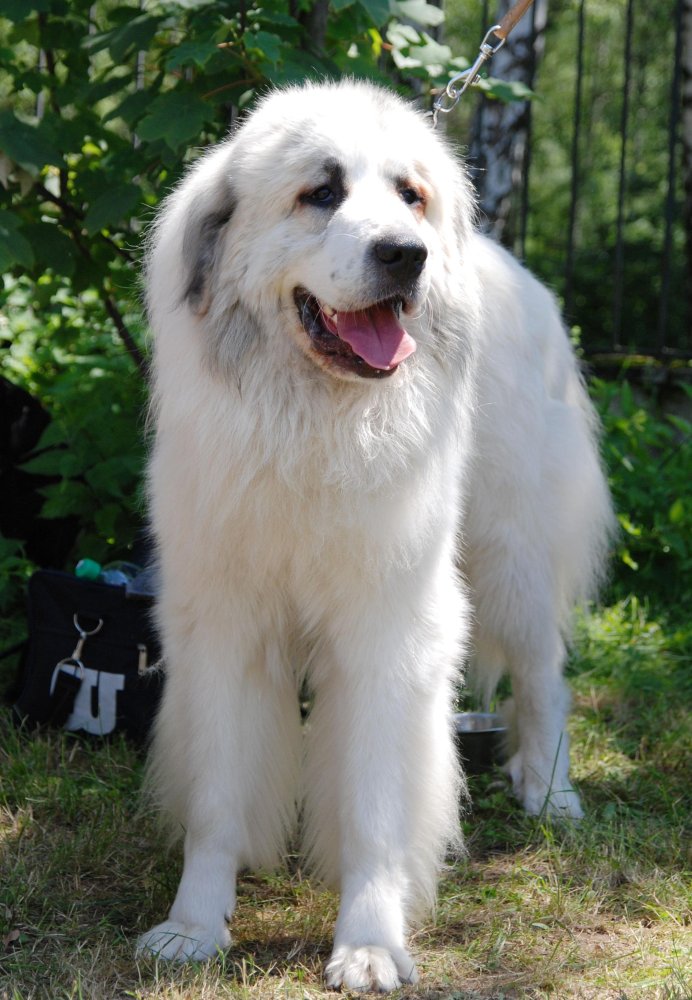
539, 768
517, 627
224, 765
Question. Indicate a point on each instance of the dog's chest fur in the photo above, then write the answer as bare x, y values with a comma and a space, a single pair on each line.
322, 473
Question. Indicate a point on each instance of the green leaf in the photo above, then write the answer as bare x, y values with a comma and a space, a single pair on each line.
418, 11
377, 10
281, 19
402, 35
412, 50
632, 529
191, 53
135, 34
107, 519
51, 247
53, 434
66, 497
628, 560
676, 514
680, 424
28, 145
504, 90
9, 547
111, 207
15, 248
48, 463
431, 53
627, 399
113, 476
20, 10
131, 108
192, 4
177, 117
265, 43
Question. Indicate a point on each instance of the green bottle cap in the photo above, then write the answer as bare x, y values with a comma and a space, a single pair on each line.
87, 569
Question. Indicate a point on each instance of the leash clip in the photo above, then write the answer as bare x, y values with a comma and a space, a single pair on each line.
450, 96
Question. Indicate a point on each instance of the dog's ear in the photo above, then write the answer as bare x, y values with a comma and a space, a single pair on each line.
206, 221
205, 215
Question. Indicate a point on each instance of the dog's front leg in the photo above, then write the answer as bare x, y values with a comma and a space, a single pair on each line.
224, 766
196, 928
385, 709
369, 941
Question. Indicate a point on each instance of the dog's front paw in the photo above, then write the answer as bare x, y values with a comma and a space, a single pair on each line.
553, 796
181, 942
370, 968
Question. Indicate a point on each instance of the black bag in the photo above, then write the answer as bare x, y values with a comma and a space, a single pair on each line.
92, 658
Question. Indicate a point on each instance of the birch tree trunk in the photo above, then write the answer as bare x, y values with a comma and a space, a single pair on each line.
500, 132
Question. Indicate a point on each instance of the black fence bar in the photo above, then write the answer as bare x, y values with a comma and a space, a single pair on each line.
574, 187
619, 270
666, 257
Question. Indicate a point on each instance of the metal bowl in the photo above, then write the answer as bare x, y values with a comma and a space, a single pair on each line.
481, 740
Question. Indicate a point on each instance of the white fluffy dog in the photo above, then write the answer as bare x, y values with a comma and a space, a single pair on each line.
350, 383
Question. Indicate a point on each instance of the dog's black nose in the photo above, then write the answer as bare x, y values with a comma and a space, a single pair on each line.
401, 258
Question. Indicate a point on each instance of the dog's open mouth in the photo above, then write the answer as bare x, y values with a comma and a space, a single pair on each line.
371, 343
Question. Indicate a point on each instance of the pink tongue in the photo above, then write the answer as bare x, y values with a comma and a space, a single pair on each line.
376, 336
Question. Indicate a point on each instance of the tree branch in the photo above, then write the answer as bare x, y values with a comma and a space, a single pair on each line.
74, 216
124, 334
72, 219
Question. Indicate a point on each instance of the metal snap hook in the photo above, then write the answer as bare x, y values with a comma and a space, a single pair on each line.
468, 77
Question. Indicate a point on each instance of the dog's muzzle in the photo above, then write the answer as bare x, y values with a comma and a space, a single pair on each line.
370, 342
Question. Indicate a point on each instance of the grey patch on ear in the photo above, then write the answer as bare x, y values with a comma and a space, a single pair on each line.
200, 245
230, 337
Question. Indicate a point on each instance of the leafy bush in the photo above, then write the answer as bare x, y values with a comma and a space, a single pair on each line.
649, 459
59, 347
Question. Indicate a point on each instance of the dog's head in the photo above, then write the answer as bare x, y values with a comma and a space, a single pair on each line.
331, 222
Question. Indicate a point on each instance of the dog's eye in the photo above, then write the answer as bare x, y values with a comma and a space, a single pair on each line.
323, 197
410, 196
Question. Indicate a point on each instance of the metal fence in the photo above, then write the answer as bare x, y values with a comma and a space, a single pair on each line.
617, 255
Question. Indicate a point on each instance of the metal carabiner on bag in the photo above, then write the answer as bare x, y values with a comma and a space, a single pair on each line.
74, 662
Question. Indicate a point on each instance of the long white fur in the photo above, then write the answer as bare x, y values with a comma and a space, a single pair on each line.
308, 525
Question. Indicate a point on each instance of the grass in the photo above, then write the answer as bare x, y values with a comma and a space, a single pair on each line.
597, 910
